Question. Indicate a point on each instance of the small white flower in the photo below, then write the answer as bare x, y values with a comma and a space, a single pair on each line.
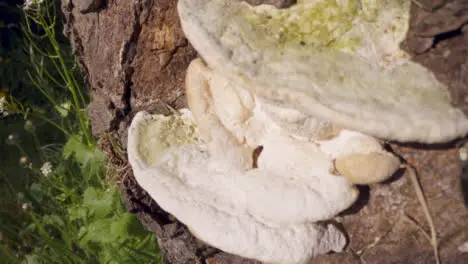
23, 160
29, 126
25, 207
63, 109
12, 139
3, 106
28, 4
46, 169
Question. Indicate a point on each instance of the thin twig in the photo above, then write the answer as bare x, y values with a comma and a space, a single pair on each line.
422, 200
415, 223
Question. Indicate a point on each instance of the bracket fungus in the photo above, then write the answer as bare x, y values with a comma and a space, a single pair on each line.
199, 166
334, 60
286, 110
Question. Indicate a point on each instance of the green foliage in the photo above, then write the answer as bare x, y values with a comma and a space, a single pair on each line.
90, 158
54, 205
97, 229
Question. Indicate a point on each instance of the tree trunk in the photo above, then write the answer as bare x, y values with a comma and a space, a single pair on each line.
133, 56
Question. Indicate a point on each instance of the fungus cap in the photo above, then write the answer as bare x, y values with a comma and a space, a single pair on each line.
333, 60
232, 208
361, 159
198, 166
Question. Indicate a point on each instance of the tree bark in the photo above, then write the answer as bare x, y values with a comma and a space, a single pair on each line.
133, 56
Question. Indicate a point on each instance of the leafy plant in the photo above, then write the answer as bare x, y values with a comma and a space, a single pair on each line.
55, 206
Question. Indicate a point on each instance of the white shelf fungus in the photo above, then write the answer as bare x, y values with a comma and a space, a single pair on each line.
273, 142
199, 167
229, 207
338, 61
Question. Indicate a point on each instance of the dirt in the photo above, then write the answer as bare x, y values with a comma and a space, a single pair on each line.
134, 56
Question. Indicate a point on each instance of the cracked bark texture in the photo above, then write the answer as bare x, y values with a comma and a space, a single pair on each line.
133, 56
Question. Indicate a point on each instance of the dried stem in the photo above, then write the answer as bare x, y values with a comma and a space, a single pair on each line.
422, 200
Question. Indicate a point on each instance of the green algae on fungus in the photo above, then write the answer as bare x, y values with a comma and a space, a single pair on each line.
344, 25
373, 88
163, 133
307, 23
